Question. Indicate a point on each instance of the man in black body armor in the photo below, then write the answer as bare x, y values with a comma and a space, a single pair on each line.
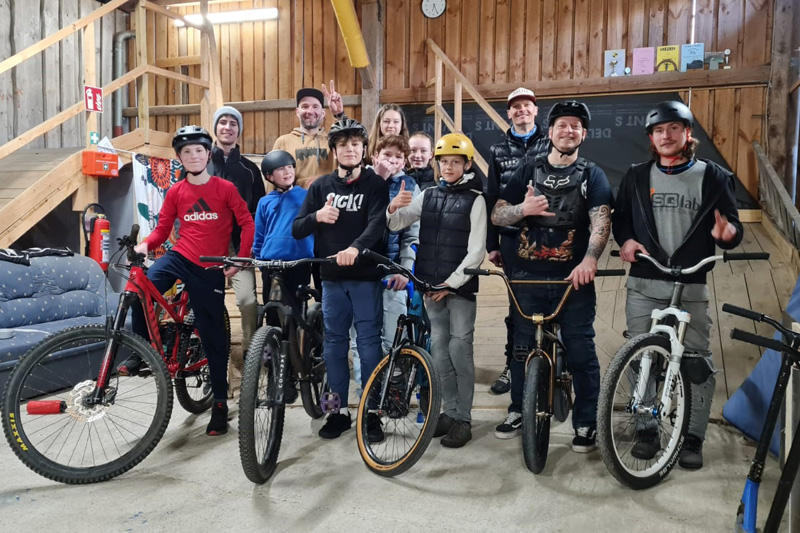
523, 141
562, 204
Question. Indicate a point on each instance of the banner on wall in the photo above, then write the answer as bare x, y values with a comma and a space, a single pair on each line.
152, 178
615, 140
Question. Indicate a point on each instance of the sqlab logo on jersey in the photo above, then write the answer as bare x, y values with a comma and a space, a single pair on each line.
200, 211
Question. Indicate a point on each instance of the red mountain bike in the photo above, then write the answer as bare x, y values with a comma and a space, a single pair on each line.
89, 423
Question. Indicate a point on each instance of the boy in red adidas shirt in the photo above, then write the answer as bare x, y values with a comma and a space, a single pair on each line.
206, 207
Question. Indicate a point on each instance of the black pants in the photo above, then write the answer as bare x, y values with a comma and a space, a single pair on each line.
206, 290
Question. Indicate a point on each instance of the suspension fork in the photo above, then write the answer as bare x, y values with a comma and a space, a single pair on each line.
110, 354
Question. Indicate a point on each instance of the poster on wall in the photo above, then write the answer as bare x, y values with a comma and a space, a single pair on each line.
152, 177
615, 140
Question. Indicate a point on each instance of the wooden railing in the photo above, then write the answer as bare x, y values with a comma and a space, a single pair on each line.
775, 200
140, 74
461, 83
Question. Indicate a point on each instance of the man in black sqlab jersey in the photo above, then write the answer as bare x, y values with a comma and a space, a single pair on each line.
676, 208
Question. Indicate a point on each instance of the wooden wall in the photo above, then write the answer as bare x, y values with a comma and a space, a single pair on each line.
509, 41
42, 86
260, 61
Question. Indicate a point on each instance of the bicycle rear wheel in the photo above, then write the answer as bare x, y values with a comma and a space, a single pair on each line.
316, 383
621, 425
260, 417
193, 388
53, 430
535, 418
404, 440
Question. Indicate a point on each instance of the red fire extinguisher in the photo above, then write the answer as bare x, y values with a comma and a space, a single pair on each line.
97, 233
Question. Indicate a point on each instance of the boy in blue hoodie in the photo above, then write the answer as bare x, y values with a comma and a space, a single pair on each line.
274, 216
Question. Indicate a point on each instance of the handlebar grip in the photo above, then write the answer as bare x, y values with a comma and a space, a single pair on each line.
212, 259
378, 258
134, 236
728, 256
611, 272
614, 253
757, 340
476, 272
746, 313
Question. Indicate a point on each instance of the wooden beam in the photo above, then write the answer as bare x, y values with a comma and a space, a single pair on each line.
654, 83
89, 78
281, 104
66, 31
177, 77
437, 121
778, 94
459, 77
373, 16
457, 104
143, 85
155, 8
65, 115
749, 215
180, 61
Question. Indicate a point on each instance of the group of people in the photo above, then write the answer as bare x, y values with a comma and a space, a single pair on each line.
545, 213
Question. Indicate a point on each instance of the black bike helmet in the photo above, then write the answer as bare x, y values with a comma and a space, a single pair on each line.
669, 111
570, 108
276, 159
346, 128
191, 135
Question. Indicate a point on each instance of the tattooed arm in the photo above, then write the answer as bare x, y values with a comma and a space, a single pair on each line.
505, 214
600, 218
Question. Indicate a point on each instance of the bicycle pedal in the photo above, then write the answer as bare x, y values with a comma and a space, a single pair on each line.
330, 402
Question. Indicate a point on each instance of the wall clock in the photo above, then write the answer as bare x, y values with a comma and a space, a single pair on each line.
433, 8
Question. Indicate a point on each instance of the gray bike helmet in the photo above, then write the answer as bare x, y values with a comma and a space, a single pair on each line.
346, 128
669, 111
191, 135
276, 159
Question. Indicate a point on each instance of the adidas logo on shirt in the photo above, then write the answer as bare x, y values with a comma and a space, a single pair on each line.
200, 211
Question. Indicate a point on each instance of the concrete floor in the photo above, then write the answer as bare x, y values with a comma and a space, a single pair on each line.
194, 482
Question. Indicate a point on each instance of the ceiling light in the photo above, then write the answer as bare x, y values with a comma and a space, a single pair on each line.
232, 17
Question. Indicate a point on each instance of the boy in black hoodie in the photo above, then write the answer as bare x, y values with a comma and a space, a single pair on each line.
452, 237
346, 212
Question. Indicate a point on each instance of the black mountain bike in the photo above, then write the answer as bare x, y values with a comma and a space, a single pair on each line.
287, 345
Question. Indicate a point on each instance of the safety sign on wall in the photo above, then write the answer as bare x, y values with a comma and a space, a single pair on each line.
93, 98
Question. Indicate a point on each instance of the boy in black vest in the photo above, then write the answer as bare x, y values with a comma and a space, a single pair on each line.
452, 237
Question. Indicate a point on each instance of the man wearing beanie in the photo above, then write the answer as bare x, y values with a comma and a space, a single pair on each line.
309, 142
228, 163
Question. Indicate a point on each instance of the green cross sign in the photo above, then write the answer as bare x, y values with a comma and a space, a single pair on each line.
94, 137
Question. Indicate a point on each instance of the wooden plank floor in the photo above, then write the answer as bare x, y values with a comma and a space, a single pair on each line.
761, 285
23, 168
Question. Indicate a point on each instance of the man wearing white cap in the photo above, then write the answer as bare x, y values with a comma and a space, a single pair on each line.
524, 140
228, 163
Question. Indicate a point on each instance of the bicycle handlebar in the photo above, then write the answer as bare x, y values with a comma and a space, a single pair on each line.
396, 268
758, 340
269, 264
678, 271
599, 273
746, 313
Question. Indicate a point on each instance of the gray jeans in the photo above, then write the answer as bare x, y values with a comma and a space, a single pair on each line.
244, 285
637, 312
452, 331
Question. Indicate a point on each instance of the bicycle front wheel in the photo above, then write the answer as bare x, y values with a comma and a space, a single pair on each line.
57, 433
260, 417
535, 416
404, 439
193, 387
640, 444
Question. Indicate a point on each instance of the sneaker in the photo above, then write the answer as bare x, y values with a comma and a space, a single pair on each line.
443, 426
336, 424
511, 426
458, 436
647, 446
585, 440
374, 430
691, 456
503, 383
131, 366
219, 419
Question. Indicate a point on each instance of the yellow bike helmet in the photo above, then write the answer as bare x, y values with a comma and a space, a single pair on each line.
454, 144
